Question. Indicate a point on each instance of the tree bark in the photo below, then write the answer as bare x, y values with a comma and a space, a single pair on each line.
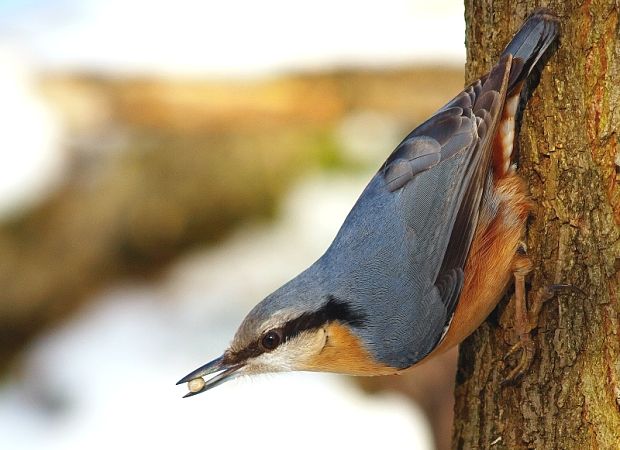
570, 157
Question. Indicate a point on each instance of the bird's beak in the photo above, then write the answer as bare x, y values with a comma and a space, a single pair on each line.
227, 372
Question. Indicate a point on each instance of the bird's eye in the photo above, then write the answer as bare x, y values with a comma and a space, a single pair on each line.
271, 340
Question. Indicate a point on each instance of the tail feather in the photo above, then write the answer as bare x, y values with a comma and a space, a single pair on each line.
530, 44
527, 47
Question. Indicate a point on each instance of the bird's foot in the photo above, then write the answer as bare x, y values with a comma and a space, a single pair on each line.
525, 321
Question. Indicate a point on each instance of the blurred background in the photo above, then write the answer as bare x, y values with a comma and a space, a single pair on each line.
163, 167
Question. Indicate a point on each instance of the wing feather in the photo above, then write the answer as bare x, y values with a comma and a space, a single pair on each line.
462, 133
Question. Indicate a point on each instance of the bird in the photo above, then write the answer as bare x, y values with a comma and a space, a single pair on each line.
424, 255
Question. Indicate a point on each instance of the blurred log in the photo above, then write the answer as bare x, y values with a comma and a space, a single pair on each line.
183, 164
131, 213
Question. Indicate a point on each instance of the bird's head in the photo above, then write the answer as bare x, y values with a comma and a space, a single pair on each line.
283, 334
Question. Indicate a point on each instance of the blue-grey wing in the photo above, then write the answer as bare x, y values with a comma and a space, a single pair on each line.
441, 170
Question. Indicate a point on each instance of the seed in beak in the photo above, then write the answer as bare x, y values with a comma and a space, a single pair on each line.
196, 384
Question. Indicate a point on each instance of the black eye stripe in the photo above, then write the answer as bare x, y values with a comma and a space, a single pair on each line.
251, 351
333, 310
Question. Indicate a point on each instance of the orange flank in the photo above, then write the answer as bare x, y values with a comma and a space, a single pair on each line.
492, 259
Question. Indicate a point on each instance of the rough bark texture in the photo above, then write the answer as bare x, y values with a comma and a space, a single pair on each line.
570, 156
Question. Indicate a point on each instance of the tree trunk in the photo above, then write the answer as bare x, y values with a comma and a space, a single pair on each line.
570, 157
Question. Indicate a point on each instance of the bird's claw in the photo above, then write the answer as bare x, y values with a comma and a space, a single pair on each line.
553, 288
527, 348
526, 322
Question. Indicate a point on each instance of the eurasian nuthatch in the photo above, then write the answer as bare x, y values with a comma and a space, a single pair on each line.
424, 255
